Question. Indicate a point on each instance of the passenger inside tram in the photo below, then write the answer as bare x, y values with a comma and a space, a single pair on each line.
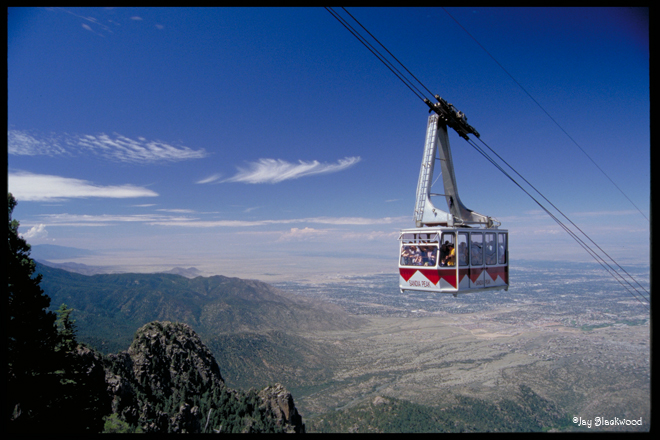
405, 256
431, 255
477, 256
491, 257
450, 255
462, 254
501, 258
419, 255
444, 251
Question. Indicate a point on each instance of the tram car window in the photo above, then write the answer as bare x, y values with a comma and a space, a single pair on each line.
490, 249
477, 249
501, 248
463, 249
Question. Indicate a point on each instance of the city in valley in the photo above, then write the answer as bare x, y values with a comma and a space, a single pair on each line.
569, 332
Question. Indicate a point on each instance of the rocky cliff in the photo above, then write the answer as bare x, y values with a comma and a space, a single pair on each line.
168, 382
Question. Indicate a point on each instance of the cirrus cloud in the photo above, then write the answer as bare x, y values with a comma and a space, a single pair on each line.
115, 147
336, 221
209, 179
278, 170
22, 143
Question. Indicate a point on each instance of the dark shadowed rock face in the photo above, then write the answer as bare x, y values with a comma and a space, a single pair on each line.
169, 356
168, 381
279, 402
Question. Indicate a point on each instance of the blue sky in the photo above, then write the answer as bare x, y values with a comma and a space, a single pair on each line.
254, 142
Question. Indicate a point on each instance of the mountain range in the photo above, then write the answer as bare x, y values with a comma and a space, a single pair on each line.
256, 335
252, 328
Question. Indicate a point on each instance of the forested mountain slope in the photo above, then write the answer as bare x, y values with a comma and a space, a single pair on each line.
255, 331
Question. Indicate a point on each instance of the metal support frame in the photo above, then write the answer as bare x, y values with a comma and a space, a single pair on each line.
426, 214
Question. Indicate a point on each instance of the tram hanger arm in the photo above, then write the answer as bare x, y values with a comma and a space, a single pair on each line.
453, 117
437, 142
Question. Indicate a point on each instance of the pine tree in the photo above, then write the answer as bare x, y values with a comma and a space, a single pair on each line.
81, 400
31, 334
66, 328
54, 384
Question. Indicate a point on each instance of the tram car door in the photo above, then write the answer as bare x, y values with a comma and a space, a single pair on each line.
482, 260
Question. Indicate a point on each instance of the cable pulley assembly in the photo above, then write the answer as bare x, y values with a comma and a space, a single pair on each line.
453, 117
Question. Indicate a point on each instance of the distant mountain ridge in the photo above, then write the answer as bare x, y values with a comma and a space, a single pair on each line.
191, 272
217, 303
231, 314
85, 269
82, 269
56, 252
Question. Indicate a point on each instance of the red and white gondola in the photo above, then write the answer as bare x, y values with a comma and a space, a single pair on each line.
459, 251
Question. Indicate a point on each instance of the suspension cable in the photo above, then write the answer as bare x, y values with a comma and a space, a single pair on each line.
377, 54
558, 210
395, 58
573, 235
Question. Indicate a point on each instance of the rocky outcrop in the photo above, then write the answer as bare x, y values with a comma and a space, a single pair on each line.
186, 420
168, 381
168, 356
279, 402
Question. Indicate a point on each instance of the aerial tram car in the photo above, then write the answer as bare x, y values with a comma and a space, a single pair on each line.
459, 251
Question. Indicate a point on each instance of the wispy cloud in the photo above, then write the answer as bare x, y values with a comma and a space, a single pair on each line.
180, 211
337, 221
304, 234
354, 220
92, 20
114, 147
195, 222
104, 219
370, 236
97, 25
210, 179
21, 143
27, 186
313, 234
278, 170
139, 151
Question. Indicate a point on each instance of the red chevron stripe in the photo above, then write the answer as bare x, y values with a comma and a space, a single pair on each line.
406, 274
475, 273
499, 271
462, 273
433, 275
